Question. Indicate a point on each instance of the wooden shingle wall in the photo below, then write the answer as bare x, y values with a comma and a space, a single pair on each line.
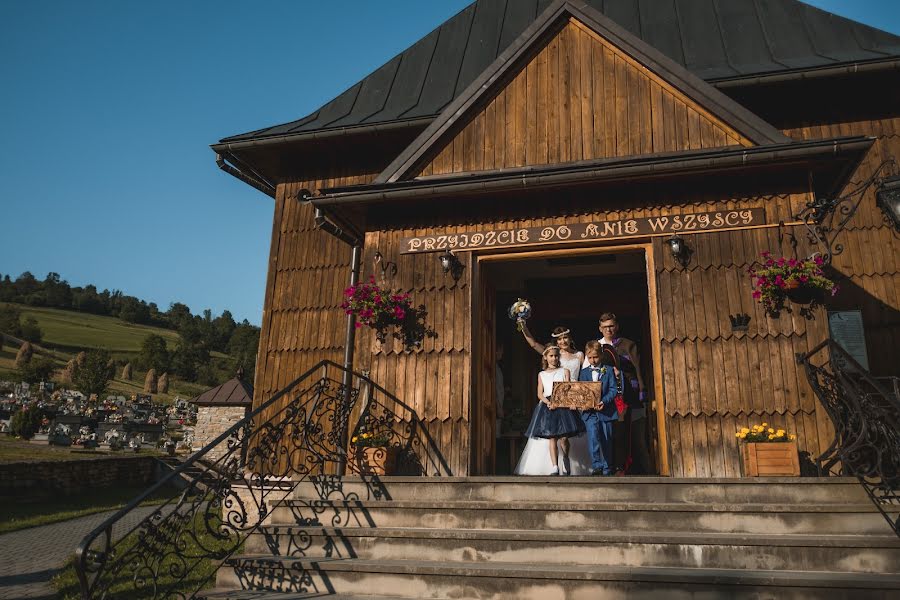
302, 322
579, 98
716, 380
870, 262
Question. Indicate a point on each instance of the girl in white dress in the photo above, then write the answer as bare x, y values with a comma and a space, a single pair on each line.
549, 426
535, 456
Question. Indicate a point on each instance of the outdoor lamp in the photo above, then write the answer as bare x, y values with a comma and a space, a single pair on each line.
450, 264
680, 251
887, 197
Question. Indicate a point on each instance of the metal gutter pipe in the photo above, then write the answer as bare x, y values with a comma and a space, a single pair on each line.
263, 186
892, 64
323, 223
322, 134
641, 168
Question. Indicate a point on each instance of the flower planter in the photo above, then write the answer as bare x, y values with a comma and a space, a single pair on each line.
373, 460
768, 459
802, 294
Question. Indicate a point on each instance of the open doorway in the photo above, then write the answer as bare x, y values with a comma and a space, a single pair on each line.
567, 289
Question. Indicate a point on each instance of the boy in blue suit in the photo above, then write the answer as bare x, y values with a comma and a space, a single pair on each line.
599, 422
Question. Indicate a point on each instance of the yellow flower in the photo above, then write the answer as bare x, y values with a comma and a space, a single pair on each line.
742, 435
764, 425
771, 437
738, 434
354, 439
793, 437
744, 430
771, 430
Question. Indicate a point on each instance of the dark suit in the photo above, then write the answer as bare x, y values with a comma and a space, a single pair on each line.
599, 423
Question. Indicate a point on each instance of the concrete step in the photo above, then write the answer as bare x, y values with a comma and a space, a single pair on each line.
226, 594
862, 554
777, 490
843, 519
523, 581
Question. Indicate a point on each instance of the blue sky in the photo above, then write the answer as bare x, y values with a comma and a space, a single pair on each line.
108, 108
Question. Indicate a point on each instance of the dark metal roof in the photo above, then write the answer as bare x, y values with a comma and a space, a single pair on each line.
714, 39
233, 392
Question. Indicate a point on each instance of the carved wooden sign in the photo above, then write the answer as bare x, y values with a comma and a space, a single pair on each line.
578, 395
585, 231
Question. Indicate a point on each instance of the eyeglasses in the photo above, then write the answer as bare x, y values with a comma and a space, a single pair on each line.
608, 326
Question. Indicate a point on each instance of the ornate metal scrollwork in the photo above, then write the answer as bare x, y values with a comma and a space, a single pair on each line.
866, 418
826, 218
232, 485
386, 270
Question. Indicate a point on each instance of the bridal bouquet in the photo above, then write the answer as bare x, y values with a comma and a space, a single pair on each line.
520, 311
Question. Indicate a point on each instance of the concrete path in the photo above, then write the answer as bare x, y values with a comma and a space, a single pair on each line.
30, 557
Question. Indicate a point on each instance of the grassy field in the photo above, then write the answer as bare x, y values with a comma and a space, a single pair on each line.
67, 332
62, 508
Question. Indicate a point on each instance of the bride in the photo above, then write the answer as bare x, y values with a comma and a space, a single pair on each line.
535, 458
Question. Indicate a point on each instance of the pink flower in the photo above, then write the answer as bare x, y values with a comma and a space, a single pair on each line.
834, 290
757, 294
399, 313
804, 278
358, 324
781, 261
792, 262
765, 254
818, 260
779, 281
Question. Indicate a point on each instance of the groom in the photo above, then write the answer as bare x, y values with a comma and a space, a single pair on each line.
637, 421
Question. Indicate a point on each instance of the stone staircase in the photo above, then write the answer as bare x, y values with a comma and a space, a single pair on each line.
549, 538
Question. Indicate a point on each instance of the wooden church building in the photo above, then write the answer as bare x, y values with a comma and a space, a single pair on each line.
556, 149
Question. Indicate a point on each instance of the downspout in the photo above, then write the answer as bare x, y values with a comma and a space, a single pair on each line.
324, 224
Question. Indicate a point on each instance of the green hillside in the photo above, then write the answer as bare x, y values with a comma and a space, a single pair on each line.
68, 330
65, 333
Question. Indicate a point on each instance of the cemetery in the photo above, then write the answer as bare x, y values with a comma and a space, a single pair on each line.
70, 420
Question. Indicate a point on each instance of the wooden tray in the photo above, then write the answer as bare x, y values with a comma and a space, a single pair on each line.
577, 395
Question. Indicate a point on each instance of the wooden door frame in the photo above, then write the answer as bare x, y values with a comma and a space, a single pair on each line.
477, 257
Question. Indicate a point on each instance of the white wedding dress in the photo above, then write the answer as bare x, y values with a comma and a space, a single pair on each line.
535, 459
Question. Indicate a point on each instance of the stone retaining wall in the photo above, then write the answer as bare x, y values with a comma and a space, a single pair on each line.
29, 480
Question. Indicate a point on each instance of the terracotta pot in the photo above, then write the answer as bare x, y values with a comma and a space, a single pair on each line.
769, 459
373, 461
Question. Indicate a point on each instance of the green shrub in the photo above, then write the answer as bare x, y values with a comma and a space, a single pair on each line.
25, 423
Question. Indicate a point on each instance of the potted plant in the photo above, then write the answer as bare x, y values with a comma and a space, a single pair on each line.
382, 310
801, 281
767, 452
371, 453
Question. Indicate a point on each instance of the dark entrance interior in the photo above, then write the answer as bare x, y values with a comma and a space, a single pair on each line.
567, 290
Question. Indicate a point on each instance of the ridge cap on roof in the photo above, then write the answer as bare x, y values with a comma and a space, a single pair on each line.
744, 121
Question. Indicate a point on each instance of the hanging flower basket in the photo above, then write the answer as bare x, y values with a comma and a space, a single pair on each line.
383, 311
801, 281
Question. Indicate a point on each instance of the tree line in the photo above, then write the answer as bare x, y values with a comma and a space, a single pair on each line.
199, 335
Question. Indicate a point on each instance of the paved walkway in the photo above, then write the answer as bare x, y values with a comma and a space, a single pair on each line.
30, 557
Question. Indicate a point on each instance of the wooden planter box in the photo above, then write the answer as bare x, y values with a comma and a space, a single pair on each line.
767, 459
373, 461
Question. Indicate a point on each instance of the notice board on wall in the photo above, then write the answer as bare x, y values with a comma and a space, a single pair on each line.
846, 328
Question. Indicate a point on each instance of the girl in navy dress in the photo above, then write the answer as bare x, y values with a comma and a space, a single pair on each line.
556, 425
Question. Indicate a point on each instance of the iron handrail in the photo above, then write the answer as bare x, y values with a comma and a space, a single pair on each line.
866, 419
264, 460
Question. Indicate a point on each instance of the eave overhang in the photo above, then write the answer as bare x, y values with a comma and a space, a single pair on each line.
826, 163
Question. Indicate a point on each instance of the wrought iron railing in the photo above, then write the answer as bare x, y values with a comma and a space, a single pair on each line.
866, 418
228, 488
